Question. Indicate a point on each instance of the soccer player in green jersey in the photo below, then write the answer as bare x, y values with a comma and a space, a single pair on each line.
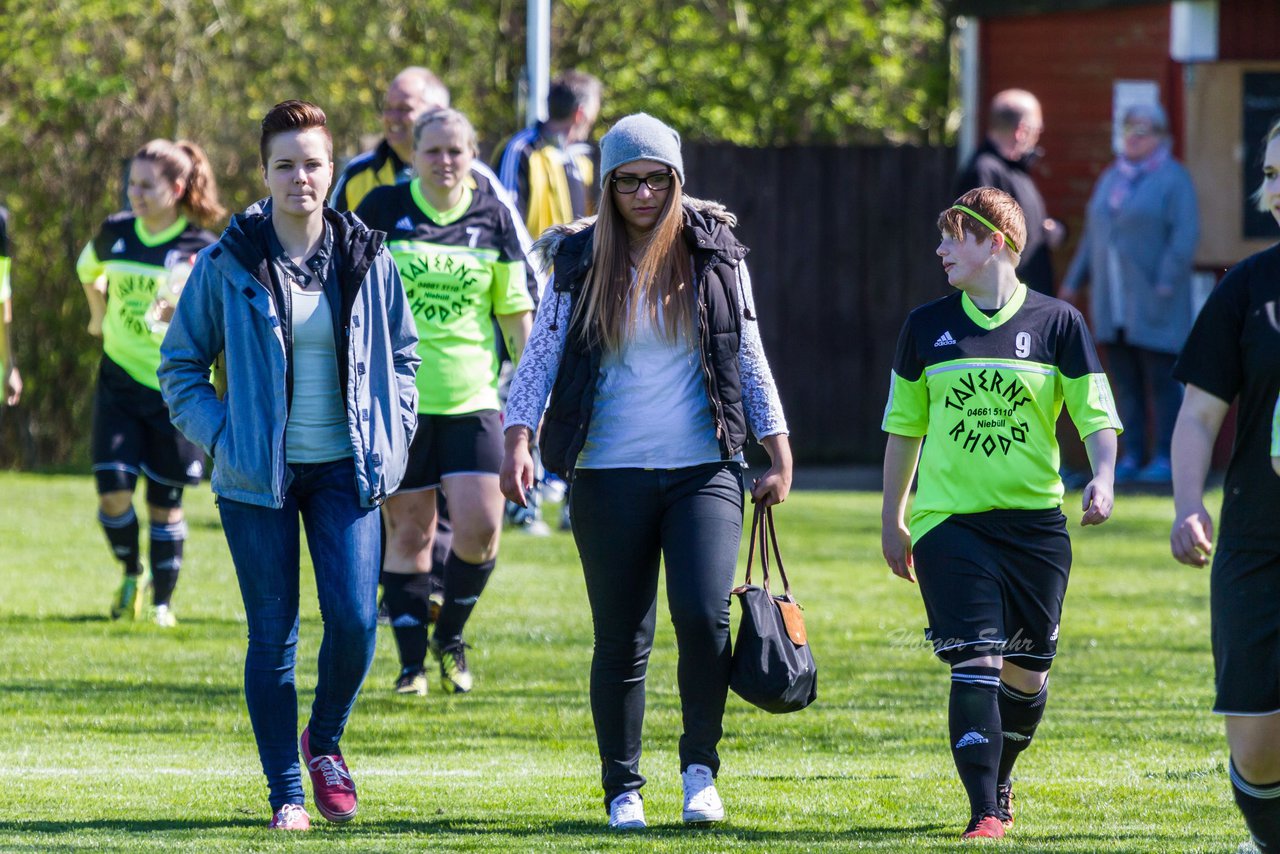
460, 257
984, 373
131, 272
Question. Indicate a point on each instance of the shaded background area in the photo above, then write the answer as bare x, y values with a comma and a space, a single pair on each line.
842, 242
94, 79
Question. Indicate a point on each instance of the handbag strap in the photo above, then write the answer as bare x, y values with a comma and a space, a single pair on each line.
758, 536
763, 532
772, 538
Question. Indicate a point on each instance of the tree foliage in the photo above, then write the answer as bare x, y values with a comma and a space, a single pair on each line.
85, 82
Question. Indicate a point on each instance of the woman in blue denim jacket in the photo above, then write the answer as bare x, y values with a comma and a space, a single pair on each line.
309, 313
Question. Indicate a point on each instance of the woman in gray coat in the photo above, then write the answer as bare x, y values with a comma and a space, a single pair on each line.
1141, 228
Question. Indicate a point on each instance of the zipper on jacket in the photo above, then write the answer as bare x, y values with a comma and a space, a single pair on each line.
704, 353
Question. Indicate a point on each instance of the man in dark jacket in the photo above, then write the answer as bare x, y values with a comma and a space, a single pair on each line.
1004, 162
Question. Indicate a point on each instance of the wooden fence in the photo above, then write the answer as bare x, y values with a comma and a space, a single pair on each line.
842, 247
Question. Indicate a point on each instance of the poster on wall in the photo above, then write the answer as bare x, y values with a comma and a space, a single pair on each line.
1261, 110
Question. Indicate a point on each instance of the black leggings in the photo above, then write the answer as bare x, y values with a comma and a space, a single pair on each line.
624, 520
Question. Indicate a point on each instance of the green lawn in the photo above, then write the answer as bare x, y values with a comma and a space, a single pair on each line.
128, 737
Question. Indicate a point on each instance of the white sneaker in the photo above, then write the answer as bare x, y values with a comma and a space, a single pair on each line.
535, 528
701, 800
162, 616
627, 812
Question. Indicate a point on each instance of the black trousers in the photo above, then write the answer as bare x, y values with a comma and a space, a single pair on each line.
624, 521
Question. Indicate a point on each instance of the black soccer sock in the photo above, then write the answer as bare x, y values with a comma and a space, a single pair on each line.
407, 605
463, 584
1260, 806
166, 559
1020, 714
122, 536
974, 717
442, 542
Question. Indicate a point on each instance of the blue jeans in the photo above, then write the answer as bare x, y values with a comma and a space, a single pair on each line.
346, 549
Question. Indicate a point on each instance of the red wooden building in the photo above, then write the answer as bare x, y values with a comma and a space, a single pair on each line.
1073, 53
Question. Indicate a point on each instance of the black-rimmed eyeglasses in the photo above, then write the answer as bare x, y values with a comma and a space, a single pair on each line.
655, 181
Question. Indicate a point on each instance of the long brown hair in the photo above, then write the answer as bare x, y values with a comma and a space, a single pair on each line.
185, 161
663, 279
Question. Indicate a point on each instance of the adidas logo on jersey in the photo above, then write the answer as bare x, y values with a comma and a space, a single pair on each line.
117, 247
970, 738
944, 340
404, 224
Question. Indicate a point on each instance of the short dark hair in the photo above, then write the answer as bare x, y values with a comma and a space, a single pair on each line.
292, 115
569, 91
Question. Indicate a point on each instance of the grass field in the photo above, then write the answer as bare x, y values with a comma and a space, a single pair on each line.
118, 736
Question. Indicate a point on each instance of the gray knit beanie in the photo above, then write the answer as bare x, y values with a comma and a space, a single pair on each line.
639, 137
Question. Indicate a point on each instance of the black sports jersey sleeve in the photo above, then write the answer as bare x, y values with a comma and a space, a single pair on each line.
1212, 358
508, 241
906, 361
1077, 355
1233, 353
374, 208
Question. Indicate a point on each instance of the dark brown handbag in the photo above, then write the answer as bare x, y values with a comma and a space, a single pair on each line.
773, 666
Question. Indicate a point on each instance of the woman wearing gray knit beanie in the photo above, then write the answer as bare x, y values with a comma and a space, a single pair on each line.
648, 348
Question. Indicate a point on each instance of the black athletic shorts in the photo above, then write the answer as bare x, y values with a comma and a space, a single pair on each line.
132, 434
1244, 602
993, 584
453, 444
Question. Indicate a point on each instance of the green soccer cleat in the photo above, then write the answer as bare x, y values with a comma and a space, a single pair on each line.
455, 678
412, 680
128, 601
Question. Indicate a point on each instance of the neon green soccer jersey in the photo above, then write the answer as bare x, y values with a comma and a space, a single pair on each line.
135, 263
985, 391
459, 267
5, 293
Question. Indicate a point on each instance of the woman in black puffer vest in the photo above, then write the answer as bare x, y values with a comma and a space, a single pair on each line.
648, 348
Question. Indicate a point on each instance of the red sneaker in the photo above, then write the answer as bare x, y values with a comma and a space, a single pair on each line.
984, 827
334, 790
291, 817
